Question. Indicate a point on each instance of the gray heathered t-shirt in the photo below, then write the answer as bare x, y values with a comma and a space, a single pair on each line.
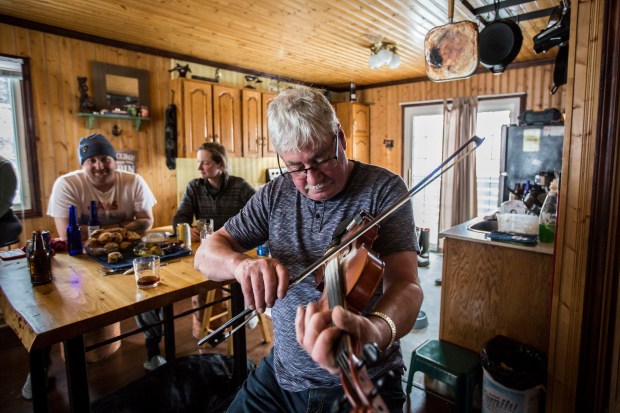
299, 231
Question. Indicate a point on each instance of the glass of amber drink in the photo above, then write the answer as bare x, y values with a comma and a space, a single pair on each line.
146, 270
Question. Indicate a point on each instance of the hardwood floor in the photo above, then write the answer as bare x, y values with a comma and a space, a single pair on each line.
125, 366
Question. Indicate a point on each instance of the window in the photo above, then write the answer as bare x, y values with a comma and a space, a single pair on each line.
423, 154
492, 114
423, 133
17, 139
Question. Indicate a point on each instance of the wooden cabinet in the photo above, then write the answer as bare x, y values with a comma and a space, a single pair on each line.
227, 118
355, 120
490, 288
207, 113
255, 132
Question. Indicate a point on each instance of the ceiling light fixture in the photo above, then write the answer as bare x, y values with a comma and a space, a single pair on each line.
383, 54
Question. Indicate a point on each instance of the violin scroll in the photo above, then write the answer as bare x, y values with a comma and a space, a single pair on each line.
362, 394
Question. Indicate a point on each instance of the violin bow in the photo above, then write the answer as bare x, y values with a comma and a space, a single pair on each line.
219, 335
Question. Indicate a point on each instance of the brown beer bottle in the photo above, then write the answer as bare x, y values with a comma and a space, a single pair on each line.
40, 260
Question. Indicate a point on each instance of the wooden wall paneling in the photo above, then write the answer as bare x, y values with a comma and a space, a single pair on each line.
393, 120
47, 139
160, 96
600, 344
8, 37
585, 51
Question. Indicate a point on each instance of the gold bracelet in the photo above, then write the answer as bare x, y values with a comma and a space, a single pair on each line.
390, 323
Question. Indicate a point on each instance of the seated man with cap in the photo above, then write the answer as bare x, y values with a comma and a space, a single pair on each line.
123, 199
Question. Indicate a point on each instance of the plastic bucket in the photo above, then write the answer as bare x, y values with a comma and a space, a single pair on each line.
497, 398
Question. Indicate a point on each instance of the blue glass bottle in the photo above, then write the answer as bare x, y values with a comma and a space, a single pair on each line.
74, 233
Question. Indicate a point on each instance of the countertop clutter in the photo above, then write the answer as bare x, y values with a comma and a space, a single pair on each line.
463, 232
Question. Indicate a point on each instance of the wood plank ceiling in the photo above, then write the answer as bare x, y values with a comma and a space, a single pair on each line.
323, 42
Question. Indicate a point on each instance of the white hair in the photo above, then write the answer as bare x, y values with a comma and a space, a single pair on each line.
301, 118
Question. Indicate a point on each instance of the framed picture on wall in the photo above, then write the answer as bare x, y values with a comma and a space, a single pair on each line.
126, 161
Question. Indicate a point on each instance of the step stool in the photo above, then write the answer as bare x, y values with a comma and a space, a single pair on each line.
455, 366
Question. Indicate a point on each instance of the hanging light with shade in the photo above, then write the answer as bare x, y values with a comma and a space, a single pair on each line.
383, 54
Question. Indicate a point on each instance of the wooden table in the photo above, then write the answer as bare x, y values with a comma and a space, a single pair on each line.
80, 299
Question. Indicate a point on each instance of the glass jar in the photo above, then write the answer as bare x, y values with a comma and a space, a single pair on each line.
144, 111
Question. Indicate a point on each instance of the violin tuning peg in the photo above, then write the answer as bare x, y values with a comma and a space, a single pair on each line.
370, 352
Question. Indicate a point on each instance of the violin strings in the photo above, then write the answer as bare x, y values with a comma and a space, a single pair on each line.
335, 286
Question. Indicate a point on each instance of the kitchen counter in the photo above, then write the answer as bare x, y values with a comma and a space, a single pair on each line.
490, 288
461, 232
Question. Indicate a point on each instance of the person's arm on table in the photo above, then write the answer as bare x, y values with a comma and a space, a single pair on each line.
142, 222
262, 280
61, 227
400, 302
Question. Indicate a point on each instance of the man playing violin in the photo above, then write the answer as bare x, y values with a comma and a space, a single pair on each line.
298, 213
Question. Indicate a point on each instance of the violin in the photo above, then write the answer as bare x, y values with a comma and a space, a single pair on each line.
363, 269
350, 280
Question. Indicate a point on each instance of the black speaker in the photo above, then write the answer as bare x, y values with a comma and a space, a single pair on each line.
531, 117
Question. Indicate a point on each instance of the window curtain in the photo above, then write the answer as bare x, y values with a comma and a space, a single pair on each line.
458, 185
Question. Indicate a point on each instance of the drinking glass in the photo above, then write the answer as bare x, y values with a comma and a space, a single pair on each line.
205, 228
146, 270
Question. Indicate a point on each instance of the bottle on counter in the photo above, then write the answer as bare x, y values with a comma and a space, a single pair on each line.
352, 95
74, 233
93, 221
548, 215
39, 260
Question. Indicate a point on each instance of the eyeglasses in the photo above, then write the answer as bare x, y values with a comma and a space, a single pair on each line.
303, 172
